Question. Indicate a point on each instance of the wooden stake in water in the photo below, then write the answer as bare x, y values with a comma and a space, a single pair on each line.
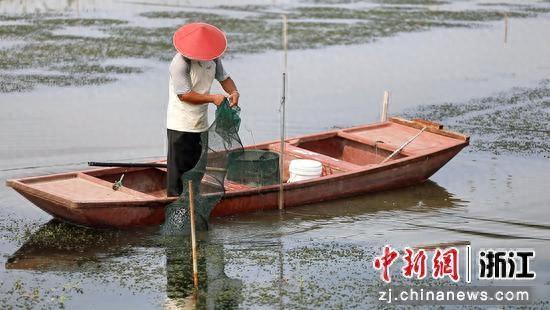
385, 103
193, 238
506, 28
285, 42
283, 115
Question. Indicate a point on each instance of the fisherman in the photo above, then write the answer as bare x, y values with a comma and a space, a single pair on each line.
192, 71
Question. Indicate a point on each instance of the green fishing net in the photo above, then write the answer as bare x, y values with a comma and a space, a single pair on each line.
222, 155
254, 168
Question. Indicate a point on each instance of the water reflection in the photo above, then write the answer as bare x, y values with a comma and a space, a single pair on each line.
63, 247
216, 289
425, 197
57, 246
268, 240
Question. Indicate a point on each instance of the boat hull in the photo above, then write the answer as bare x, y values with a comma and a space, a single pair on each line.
152, 213
103, 216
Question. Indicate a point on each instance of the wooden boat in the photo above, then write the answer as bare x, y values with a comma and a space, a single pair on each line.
352, 160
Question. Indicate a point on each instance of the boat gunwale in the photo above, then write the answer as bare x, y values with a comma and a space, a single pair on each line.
348, 174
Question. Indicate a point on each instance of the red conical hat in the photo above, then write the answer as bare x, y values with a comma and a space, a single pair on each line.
200, 41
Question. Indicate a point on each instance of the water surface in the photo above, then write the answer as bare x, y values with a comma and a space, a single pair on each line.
493, 194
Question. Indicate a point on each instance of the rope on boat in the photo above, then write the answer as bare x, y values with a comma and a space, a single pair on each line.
118, 184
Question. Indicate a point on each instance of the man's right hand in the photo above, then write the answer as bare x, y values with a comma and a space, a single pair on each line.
217, 99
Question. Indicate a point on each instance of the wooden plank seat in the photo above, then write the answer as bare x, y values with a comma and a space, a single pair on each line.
229, 185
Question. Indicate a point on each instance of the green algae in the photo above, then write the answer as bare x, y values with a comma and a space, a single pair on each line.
63, 236
77, 255
129, 259
391, 14
510, 122
250, 8
258, 257
187, 15
316, 275
323, 252
330, 25
57, 22
469, 15
33, 295
79, 55
530, 8
27, 82
72, 60
21, 30
96, 68
333, 1
309, 274
413, 2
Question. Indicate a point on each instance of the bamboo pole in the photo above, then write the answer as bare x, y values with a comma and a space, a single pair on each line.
506, 26
144, 165
285, 41
283, 114
404, 145
193, 237
385, 103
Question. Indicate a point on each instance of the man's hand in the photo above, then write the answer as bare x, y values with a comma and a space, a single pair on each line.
234, 99
229, 86
217, 99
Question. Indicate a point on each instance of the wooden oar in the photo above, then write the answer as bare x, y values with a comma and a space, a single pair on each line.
129, 165
403, 146
144, 165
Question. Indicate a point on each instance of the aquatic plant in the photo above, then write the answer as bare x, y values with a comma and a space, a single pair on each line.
58, 59
514, 121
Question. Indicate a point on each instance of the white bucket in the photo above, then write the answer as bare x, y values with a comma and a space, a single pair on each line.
304, 169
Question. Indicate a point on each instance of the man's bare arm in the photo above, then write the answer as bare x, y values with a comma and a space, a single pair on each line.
196, 98
229, 86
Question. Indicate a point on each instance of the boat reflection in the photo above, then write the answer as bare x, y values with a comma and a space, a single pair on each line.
57, 246
426, 197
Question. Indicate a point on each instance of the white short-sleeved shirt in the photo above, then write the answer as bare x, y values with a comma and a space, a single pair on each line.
190, 75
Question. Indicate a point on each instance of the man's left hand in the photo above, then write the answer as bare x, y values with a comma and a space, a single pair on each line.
234, 99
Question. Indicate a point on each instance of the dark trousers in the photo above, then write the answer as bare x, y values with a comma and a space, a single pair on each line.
184, 151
